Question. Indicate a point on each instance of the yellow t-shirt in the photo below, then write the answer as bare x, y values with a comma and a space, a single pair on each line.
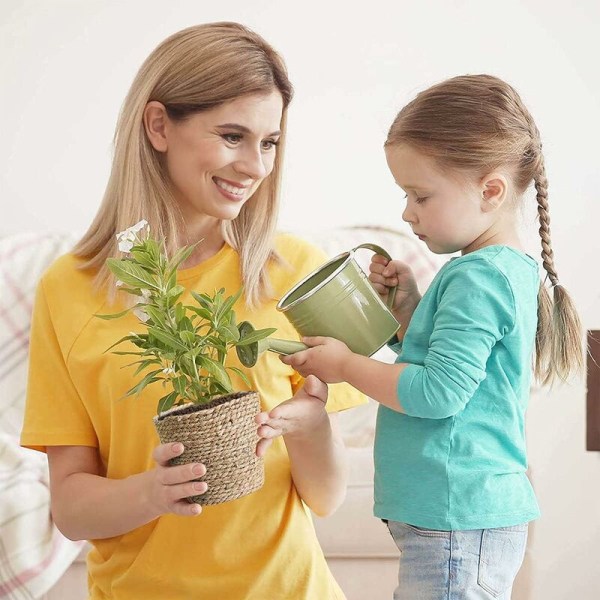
260, 547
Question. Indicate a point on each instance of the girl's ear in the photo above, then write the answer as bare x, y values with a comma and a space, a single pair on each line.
155, 124
494, 189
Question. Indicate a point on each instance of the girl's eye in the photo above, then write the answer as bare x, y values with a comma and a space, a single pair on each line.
269, 144
418, 200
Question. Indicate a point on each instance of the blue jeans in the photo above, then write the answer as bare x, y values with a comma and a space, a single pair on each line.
478, 564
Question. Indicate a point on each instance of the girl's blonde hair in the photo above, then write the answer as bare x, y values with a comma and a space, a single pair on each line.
476, 124
193, 70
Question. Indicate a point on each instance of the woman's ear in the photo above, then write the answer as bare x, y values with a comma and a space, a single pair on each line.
494, 189
155, 124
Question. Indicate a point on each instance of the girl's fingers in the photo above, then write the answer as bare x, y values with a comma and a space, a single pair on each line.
379, 259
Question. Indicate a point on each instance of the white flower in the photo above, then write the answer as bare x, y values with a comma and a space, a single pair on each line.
128, 237
141, 314
169, 371
118, 283
146, 296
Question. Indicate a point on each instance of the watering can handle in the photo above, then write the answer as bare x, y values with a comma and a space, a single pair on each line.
379, 250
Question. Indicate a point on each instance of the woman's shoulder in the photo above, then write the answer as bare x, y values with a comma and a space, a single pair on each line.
297, 258
66, 282
67, 271
294, 249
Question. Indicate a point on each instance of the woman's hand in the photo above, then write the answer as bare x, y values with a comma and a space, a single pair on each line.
169, 486
298, 417
326, 359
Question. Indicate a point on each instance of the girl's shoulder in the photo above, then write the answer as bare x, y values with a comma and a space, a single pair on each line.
493, 261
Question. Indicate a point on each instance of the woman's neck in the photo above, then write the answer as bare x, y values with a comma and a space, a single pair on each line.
210, 240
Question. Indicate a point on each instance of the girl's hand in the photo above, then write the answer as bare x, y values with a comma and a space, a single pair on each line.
297, 417
326, 359
169, 486
384, 272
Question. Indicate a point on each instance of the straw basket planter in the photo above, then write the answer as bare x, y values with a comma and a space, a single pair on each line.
221, 435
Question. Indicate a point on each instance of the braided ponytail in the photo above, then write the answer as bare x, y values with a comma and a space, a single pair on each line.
558, 338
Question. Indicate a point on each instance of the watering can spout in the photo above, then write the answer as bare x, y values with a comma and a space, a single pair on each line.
248, 353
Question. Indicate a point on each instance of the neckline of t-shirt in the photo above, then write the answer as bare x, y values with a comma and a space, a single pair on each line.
205, 265
499, 248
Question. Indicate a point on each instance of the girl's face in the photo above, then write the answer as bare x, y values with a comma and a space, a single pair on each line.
449, 215
216, 159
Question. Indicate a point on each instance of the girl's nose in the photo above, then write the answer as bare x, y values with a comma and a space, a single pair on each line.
407, 214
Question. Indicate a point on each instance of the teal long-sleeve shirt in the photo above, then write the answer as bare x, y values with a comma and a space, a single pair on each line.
457, 458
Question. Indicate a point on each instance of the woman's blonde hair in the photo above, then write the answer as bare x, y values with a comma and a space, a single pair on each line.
476, 124
193, 70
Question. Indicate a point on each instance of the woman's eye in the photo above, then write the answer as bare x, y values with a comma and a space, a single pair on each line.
232, 138
269, 144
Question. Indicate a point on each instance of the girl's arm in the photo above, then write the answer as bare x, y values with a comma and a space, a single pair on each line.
87, 505
314, 444
332, 361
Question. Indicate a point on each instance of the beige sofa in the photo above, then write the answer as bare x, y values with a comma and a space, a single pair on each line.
358, 548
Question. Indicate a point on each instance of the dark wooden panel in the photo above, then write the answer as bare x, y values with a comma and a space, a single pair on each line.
593, 390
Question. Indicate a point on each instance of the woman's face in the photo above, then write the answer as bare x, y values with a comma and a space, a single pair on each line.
216, 159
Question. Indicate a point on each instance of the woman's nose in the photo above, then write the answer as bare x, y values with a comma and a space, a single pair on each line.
252, 164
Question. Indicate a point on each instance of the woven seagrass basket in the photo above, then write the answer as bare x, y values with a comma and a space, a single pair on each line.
221, 435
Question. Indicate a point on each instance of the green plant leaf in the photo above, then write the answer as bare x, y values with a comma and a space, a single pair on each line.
157, 316
228, 305
180, 256
187, 337
185, 324
256, 335
203, 299
242, 375
216, 369
147, 380
229, 332
180, 384
166, 402
131, 273
115, 315
201, 312
168, 339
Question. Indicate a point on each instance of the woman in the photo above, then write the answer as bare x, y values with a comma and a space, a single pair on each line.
198, 151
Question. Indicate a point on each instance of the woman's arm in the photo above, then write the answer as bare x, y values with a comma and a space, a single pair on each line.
87, 505
314, 444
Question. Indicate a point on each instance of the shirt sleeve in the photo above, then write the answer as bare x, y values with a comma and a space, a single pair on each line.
54, 412
475, 310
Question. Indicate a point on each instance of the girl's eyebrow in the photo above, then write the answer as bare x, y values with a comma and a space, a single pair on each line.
243, 129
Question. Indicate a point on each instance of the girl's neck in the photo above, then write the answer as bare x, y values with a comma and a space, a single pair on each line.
495, 238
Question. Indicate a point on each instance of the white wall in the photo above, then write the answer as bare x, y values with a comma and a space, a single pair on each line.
65, 67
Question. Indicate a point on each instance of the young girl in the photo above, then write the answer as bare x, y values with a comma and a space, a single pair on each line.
197, 154
450, 452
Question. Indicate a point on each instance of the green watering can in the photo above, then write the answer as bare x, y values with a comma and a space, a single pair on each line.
336, 300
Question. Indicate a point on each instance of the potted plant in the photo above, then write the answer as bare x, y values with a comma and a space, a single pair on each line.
184, 348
